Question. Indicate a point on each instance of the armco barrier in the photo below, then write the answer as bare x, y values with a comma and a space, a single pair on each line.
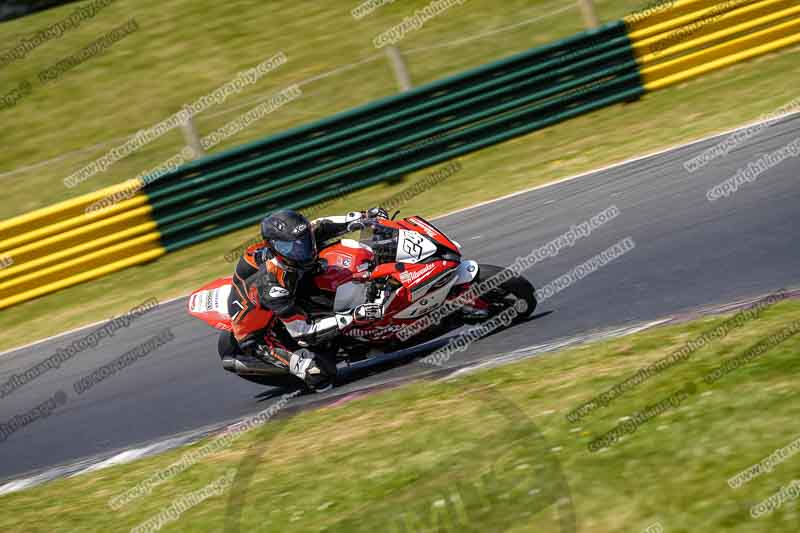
694, 37
61, 245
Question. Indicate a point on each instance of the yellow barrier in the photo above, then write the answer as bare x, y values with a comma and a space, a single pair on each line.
694, 37
679, 14
34, 260
71, 212
62, 270
676, 40
84, 275
72, 241
729, 53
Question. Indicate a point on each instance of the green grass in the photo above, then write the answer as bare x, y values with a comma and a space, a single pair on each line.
186, 49
498, 440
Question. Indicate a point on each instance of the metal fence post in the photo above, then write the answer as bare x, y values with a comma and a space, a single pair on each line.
399, 67
589, 13
192, 138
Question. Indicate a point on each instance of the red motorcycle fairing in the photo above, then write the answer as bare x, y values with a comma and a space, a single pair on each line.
422, 288
421, 225
346, 259
209, 303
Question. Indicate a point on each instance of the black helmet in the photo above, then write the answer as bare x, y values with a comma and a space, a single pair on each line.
290, 239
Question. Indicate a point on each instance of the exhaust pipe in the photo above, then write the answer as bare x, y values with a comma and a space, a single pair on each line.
245, 365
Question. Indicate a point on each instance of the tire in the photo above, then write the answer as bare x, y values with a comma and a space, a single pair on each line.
227, 345
518, 287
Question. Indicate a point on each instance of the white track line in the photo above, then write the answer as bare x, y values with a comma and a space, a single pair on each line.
500, 199
559, 344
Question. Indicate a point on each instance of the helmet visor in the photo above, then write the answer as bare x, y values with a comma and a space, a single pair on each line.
298, 251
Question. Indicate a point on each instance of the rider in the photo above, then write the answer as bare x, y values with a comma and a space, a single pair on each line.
269, 276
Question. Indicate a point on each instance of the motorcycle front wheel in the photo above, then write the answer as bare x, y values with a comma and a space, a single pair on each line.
507, 293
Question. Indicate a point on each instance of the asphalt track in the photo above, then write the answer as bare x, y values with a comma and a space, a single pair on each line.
689, 253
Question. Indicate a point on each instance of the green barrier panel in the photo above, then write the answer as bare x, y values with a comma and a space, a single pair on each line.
431, 109
249, 213
216, 180
591, 70
221, 201
572, 47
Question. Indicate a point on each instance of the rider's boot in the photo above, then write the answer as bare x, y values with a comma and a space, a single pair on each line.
317, 371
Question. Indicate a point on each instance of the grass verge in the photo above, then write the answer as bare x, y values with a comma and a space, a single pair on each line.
485, 452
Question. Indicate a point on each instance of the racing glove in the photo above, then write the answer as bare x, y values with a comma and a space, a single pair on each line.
362, 314
370, 214
367, 313
376, 212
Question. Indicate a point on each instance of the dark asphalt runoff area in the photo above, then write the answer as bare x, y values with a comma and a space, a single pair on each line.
689, 253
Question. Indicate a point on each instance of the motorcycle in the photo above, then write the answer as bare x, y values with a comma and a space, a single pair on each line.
409, 267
